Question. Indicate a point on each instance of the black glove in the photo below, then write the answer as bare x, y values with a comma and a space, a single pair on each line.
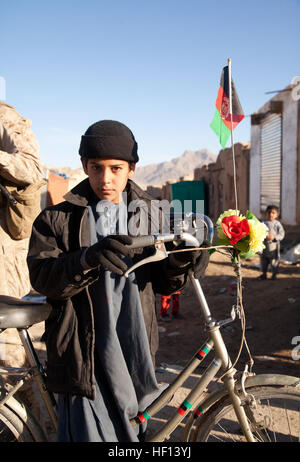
197, 260
105, 252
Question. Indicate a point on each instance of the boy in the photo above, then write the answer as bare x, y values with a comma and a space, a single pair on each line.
102, 334
271, 253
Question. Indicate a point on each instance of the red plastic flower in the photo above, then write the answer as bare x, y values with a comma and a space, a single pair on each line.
235, 228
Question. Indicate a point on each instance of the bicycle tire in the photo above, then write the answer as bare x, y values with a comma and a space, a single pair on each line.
18, 425
12, 427
276, 418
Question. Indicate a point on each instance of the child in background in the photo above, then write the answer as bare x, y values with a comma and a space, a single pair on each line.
165, 303
271, 253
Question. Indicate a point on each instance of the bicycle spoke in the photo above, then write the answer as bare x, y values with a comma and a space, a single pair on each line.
299, 425
230, 436
288, 420
271, 421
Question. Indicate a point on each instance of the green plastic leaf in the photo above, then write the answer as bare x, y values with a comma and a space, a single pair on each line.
243, 245
250, 216
223, 241
220, 241
246, 255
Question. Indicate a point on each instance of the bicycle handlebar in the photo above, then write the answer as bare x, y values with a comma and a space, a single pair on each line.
147, 241
158, 241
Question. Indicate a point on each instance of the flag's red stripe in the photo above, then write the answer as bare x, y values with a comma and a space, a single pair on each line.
236, 119
220, 98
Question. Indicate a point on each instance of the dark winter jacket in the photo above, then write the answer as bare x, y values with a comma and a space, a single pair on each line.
59, 236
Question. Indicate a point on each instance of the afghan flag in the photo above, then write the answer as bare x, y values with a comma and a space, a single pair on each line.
221, 123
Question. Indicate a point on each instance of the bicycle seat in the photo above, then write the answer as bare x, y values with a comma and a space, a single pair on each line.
18, 313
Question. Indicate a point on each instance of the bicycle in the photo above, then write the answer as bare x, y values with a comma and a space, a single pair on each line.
16, 421
245, 407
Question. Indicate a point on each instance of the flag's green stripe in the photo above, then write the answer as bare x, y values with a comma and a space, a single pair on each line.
220, 129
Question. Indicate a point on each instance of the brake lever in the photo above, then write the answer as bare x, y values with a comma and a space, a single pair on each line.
160, 253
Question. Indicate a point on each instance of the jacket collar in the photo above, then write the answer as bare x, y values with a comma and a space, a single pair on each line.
80, 194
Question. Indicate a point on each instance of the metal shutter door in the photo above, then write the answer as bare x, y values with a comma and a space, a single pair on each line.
270, 170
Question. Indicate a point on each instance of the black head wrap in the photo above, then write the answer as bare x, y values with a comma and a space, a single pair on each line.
108, 139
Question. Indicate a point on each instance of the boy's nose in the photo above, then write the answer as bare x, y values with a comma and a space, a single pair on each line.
106, 176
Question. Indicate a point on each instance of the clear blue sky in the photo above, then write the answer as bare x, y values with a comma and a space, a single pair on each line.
153, 64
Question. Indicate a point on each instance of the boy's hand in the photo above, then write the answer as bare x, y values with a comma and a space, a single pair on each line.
104, 253
198, 260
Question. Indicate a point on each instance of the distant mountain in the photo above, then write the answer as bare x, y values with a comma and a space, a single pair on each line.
154, 174
158, 174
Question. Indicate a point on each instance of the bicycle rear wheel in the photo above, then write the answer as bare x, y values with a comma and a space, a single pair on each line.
12, 427
17, 424
275, 417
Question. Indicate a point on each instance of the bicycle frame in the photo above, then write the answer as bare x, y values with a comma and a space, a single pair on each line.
221, 361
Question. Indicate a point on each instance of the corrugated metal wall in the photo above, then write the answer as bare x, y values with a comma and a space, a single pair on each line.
271, 161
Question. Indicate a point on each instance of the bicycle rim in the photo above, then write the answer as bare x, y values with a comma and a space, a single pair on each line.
274, 416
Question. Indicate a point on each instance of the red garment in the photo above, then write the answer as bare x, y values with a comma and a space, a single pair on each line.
166, 302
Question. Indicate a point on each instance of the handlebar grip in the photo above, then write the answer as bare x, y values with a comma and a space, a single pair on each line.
141, 241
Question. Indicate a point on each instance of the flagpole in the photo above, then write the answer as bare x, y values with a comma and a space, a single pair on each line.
231, 132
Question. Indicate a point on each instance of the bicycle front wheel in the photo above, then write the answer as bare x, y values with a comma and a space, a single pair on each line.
273, 415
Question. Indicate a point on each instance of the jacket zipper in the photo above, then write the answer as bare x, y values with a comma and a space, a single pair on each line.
92, 381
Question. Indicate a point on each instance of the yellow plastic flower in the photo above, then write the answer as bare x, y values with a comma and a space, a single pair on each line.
258, 233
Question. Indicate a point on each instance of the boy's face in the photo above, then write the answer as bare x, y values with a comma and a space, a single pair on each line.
272, 215
108, 177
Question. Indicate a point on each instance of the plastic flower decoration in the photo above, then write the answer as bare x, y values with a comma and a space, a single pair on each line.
245, 234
